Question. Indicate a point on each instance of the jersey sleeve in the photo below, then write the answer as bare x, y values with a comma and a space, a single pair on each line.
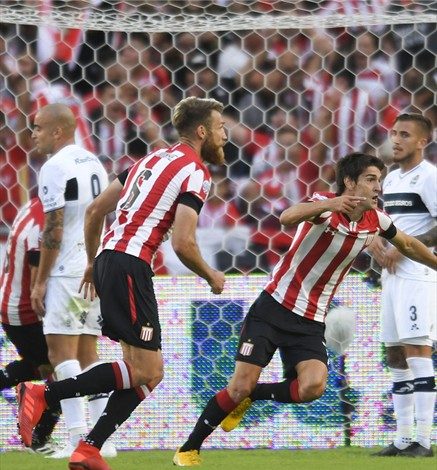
429, 193
388, 230
324, 215
51, 187
33, 238
198, 184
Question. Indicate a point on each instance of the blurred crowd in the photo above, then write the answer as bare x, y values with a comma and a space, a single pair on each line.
295, 101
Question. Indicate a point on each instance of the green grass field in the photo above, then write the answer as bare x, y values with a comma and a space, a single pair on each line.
345, 458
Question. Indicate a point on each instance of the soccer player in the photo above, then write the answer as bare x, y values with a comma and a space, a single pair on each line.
408, 307
20, 323
165, 189
289, 313
68, 182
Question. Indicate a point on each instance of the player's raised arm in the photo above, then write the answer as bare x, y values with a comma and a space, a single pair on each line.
309, 210
414, 249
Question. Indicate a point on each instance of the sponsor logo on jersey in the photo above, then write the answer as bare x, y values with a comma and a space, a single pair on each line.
404, 203
330, 230
146, 333
78, 160
246, 349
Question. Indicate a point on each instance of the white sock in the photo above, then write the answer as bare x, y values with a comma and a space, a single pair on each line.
424, 397
73, 409
96, 403
403, 404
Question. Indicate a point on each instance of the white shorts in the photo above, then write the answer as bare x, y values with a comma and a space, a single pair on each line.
408, 311
67, 312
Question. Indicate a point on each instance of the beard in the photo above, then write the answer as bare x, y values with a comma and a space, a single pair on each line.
212, 153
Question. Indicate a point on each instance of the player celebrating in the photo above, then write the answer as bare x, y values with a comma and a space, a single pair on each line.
289, 313
408, 307
166, 188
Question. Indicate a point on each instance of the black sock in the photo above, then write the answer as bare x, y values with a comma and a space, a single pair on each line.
121, 405
211, 417
99, 379
43, 430
16, 372
278, 391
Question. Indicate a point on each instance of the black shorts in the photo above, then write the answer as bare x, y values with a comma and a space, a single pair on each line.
127, 299
30, 342
269, 326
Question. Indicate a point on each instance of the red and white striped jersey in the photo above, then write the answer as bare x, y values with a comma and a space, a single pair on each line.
147, 206
352, 121
320, 255
23, 238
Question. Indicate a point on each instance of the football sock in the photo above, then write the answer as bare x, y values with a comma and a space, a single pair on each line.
100, 379
282, 392
16, 372
213, 414
96, 402
45, 426
121, 405
73, 409
424, 397
403, 404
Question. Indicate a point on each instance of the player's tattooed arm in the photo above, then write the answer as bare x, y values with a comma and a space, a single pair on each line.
429, 238
53, 229
50, 245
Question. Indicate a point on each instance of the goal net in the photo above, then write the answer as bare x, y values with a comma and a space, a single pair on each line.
303, 83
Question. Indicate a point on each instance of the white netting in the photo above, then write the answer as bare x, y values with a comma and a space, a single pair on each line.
303, 82
225, 15
297, 94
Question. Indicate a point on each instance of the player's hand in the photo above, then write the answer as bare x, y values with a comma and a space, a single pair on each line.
37, 299
344, 203
391, 259
217, 282
87, 284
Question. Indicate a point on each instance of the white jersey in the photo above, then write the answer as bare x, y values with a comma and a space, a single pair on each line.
71, 179
410, 199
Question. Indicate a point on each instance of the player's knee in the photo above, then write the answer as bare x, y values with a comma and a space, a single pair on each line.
240, 390
156, 380
309, 391
396, 358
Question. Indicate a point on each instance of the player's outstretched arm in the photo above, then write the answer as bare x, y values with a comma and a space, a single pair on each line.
310, 210
414, 249
184, 243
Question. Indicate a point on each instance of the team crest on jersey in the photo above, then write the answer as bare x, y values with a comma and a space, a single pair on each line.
246, 349
206, 186
414, 180
146, 333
